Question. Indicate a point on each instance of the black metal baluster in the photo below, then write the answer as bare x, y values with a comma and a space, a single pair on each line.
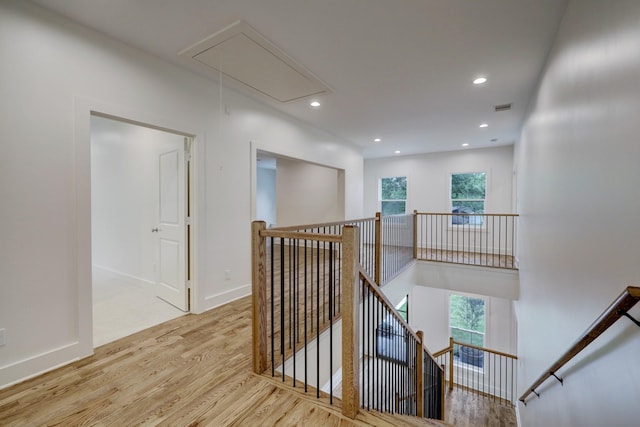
273, 320
282, 305
293, 270
291, 300
331, 284
318, 319
305, 318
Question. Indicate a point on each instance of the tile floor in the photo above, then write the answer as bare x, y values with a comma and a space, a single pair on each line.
122, 306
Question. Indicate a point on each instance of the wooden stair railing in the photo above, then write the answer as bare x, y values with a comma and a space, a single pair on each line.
619, 308
347, 274
378, 315
486, 372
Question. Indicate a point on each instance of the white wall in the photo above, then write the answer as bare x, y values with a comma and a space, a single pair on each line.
428, 178
124, 196
429, 286
429, 312
54, 74
579, 202
266, 195
306, 193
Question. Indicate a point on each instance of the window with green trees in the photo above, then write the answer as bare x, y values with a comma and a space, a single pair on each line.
467, 319
393, 195
468, 193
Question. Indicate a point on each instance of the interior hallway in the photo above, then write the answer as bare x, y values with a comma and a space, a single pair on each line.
194, 370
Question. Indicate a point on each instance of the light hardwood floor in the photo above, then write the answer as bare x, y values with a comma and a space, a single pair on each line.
194, 370
467, 409
468, 258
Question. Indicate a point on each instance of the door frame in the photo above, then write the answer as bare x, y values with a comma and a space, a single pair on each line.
84, 109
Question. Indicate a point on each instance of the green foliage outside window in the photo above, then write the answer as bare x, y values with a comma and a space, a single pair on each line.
467, 319
468, 191
393, 195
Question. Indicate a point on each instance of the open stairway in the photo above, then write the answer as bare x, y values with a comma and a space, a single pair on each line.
321, 320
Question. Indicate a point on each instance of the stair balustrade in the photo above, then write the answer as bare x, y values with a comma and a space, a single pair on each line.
484, 371
320, 317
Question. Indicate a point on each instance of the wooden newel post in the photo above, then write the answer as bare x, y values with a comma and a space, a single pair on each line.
350, 326
451, 364
420, 375
259, 296
378, 250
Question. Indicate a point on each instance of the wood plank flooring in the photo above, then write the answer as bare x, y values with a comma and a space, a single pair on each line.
468, 258
469, 409
194, 370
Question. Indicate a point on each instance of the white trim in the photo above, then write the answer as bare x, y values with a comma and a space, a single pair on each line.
255, 146
38, 364
84, 108
213, 301
487, 187
124, 276
487, 311
406, 200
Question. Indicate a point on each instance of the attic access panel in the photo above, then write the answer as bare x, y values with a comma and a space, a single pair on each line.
242, 54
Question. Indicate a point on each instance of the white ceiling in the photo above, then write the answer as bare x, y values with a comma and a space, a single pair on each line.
400, 70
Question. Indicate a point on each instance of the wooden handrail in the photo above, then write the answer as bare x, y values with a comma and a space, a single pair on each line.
385, 301
324, 224
336, 238
627, 299
488, 350
463, 214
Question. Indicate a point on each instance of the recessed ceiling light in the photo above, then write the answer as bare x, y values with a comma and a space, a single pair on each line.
465, 144
397, 151
484, 125
480, 80
377, 140
314, 104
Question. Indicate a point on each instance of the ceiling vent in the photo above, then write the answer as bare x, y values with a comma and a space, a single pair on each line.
503, 107
242, 54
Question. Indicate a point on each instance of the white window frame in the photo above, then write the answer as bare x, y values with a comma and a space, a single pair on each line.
481, 226
380, 200
486, 312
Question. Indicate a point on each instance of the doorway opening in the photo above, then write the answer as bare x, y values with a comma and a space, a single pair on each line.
141, 231
290, 191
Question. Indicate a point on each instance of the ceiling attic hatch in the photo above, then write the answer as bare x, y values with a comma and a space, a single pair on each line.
242, 54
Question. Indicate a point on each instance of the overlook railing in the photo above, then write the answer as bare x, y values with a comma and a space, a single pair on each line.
476, 239
317, 305
312, 307
369, 238
489, 373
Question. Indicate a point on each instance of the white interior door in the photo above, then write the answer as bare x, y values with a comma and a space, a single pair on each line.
172, 228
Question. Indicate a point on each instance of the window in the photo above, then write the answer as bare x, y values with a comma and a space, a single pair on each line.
403, 308
467, 319
468, 192
393, 195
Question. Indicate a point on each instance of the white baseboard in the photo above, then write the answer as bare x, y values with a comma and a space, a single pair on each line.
124, 276
213, 301
39, 364
518, 421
